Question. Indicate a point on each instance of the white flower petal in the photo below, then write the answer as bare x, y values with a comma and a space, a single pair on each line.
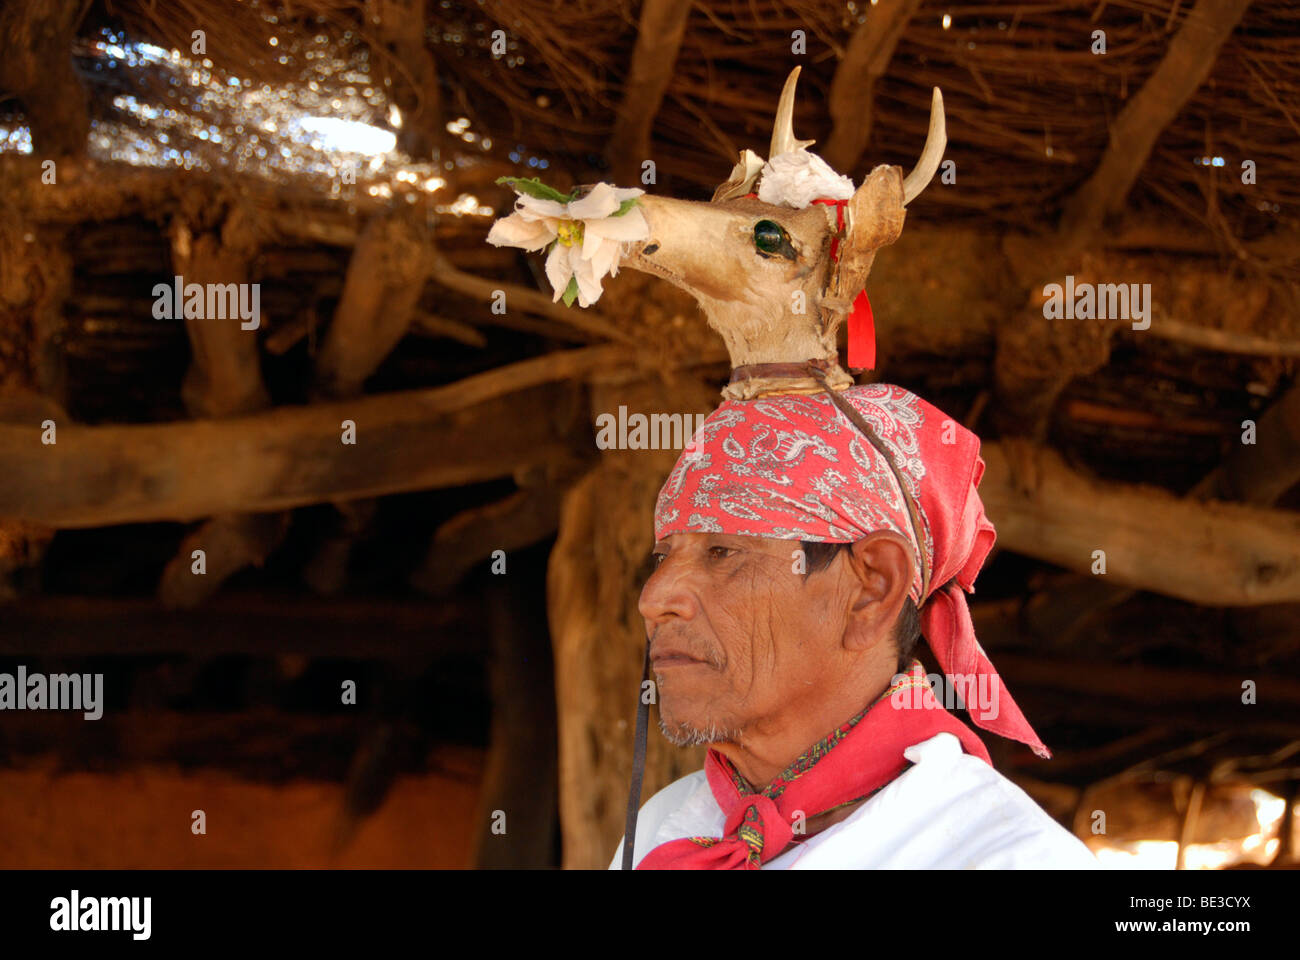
514, 231
630, 226
558, 270
588, 284
603, 258
602, 201
534, 208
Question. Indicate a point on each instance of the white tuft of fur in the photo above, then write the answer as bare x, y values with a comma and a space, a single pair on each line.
798, 177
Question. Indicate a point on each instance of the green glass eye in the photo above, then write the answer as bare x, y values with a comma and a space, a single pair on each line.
768, 236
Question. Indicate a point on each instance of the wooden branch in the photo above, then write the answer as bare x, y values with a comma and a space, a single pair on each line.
521, 771
1217, 554
384, 280
429, 325
1191, 55
229, 543
518, 521
521, 298
1260, 473
408, 68
286, 457
1085, 690
853, 88
244, 622
658, 40
1035, 361
224, 379
225, 375
35, 284
1224, 341
36, 65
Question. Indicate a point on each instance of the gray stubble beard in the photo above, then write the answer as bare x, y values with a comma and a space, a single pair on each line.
683, 735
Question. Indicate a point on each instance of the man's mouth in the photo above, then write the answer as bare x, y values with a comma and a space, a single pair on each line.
661, 659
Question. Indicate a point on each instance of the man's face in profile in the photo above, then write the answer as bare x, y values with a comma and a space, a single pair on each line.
737, 633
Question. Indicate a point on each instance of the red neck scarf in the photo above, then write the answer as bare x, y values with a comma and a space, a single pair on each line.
850, 764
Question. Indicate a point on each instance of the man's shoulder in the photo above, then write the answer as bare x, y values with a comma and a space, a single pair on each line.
948, 810
953, 810
674, 797
687, 799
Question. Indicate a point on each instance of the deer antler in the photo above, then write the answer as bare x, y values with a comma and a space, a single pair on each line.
746, 171
935, 142
783, 140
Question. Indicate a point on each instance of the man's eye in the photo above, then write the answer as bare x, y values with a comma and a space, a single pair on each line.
656, 558
720, 553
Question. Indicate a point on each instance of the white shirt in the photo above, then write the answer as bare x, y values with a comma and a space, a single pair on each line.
949, 810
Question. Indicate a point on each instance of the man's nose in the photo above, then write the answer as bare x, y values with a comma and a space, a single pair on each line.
668, 592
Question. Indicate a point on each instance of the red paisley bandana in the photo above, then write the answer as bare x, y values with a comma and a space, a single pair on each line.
850, 764
793, 467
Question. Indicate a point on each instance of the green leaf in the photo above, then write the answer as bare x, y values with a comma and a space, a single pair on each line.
534, 188
570, 292
624, 207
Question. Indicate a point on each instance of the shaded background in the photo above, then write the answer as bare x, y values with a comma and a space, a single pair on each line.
343, 156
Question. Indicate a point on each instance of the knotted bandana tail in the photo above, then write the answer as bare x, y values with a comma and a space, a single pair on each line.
948, 629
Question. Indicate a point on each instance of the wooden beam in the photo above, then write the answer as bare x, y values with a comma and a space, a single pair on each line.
385, 277
1214, 554
1260, 473
407, 67
853, 89
1112, 694
519, 778
1190, 58
431, 325
654, 57
596, 569
284, 458
224, 379
36, 65
1224, 341
225, 375
469, 538
229, 543
523, 299
251, 623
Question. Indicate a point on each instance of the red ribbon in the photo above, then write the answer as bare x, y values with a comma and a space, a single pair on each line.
862, 324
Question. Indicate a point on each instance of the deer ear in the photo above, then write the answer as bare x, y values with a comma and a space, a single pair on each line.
873, 219
742, 178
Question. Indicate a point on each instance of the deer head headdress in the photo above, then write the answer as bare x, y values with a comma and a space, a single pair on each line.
777, 270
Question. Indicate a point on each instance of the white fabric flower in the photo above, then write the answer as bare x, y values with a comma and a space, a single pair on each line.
798, 177
588, 238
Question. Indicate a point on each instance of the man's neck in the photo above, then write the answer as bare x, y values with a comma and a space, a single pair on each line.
766, 750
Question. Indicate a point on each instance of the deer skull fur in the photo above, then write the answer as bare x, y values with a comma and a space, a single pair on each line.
762, 272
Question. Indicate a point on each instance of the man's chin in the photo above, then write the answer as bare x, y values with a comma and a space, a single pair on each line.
686, 734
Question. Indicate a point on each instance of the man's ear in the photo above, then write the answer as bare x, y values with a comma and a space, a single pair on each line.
873, 219
882, 563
